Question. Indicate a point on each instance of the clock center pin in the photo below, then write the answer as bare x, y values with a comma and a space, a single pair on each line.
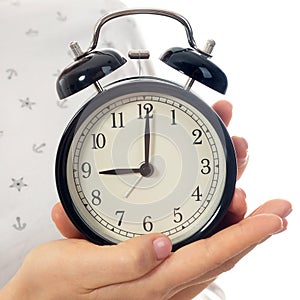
146, 170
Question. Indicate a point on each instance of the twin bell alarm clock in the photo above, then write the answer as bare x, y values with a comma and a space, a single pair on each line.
144, 154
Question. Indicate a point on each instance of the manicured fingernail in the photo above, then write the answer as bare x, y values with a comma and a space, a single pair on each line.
287, 212
283, 226
242, 162
242, 144
162, 247
245, 146
282, 210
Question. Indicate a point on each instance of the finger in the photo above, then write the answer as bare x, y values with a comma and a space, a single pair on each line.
236, 211
224, 109
204, 260
241, 149
125, 262
218, 249
197, 285
63, 223
279, 207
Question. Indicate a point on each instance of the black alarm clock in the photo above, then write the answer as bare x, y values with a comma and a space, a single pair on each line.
144, 154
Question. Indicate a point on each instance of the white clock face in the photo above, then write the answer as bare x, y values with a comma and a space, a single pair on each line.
146, 162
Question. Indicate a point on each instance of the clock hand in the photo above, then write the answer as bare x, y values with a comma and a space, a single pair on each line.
120, 171
145, 170
133, 186
147, 138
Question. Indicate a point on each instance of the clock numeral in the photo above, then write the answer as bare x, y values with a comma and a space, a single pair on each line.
121, 213
98, 141
205, 166
197, 133
197, 194
173, 115
145, 109
96, 200
86, 170
117, 122
177, 215
147, 224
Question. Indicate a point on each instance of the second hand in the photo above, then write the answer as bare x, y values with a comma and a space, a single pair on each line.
133, 186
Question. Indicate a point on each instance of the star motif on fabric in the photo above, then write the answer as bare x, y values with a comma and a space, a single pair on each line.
18, 184
27, 103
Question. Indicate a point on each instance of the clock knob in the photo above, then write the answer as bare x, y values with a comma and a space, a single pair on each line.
87, 70
196, 66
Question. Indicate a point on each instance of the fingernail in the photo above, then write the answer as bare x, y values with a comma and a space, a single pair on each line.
283, 211
287, 212
245, 145
162, 247
242, 144
283, 226
243, 161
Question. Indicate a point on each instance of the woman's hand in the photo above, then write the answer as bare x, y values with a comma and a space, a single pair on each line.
144, 267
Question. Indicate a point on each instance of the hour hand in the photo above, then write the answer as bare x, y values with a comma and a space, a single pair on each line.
120, 171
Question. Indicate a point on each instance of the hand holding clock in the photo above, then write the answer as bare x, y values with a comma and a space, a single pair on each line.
144, 267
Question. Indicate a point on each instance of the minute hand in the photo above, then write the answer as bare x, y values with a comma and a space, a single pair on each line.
119, 171
147, 139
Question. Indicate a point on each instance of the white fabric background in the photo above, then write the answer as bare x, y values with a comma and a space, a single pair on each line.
34, 48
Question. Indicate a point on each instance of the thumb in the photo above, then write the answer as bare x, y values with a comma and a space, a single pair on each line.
126, 261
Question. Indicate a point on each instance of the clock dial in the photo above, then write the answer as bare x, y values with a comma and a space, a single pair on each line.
142, 157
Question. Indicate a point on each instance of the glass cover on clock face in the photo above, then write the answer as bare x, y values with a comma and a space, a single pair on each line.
147, 157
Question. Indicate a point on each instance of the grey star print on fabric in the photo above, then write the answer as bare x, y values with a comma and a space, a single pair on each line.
27, 103
18, 184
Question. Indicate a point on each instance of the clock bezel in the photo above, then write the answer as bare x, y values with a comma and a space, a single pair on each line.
128, 86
